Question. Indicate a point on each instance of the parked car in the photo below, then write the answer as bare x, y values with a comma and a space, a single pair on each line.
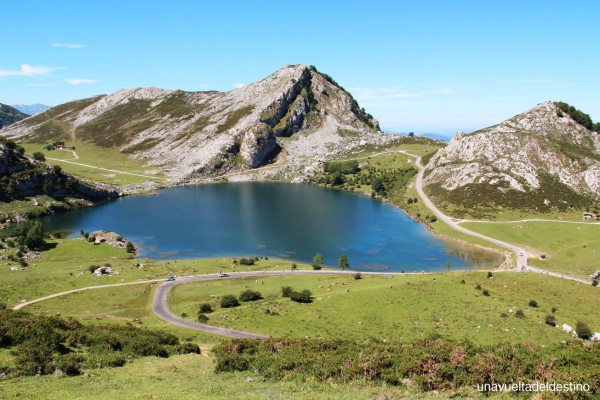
223, 275
170, 279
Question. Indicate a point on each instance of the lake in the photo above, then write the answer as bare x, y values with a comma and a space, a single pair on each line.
284, 220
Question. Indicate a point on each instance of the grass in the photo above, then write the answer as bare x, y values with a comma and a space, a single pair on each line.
570, 248
97, 156
188, 377
65, 267
401, 308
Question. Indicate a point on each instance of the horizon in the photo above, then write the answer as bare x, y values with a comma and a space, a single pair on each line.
441, 69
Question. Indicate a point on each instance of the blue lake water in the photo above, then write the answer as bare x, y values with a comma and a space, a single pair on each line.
285, 220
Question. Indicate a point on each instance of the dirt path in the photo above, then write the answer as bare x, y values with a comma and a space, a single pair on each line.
106, 169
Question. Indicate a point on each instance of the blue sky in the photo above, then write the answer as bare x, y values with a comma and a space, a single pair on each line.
430, 66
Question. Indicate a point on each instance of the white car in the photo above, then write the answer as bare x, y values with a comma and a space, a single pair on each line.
520, 253
223, 275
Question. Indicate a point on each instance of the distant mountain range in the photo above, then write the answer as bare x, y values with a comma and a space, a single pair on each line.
297, 116
31, 109
9, 115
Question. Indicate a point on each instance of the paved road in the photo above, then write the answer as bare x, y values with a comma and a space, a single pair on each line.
161, 298
520, 253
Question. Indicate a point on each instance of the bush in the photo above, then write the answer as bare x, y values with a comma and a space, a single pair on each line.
188, 348
92, 268
595, 282
463, 282
490, 275
229, 301
286, 291
246, 261
205, 308
357, 276
304, 296
550, 320
250, 295
202, 318
38, 156
583, 331
554, 310
520, 314
478, 287
533, 303
316, 267
486, 292
129, 247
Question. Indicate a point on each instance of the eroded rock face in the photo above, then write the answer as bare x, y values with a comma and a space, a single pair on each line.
187, 134
514, 153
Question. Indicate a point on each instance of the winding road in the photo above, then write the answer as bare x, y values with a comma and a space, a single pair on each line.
161, 296
520, 253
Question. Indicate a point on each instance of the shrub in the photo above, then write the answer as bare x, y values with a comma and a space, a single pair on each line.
129, 247
533, 303
246, 261
478, 287
595, 282
304, 296
250, 295
2, 306
463, 282
92, 268
316, 267
490, 275
357, 276
205, 308
520, 314
184, 315
554, 310
294, 266
229, 301
38, 156
583, 331
202, 318
286, 291
486, 292
550, 320
188, 348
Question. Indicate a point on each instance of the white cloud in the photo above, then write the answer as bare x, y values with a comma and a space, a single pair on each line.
80, 81
68, 45
28, 70
42, 84
239, 85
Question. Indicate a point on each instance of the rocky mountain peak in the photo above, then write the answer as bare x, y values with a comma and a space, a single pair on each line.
517, 153
294, 113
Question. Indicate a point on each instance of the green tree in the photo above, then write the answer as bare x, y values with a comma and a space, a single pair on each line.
318, 259
34, 238
57, 169
343, 262
377, 186
129, 247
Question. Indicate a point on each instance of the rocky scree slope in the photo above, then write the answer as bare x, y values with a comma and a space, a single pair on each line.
525, 155
22, 177
9, 115
295, 114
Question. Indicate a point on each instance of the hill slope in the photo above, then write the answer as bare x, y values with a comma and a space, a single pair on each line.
539, 159
9, 115
22, 178
295, 114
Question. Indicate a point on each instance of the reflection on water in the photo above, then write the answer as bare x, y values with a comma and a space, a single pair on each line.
291, 221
